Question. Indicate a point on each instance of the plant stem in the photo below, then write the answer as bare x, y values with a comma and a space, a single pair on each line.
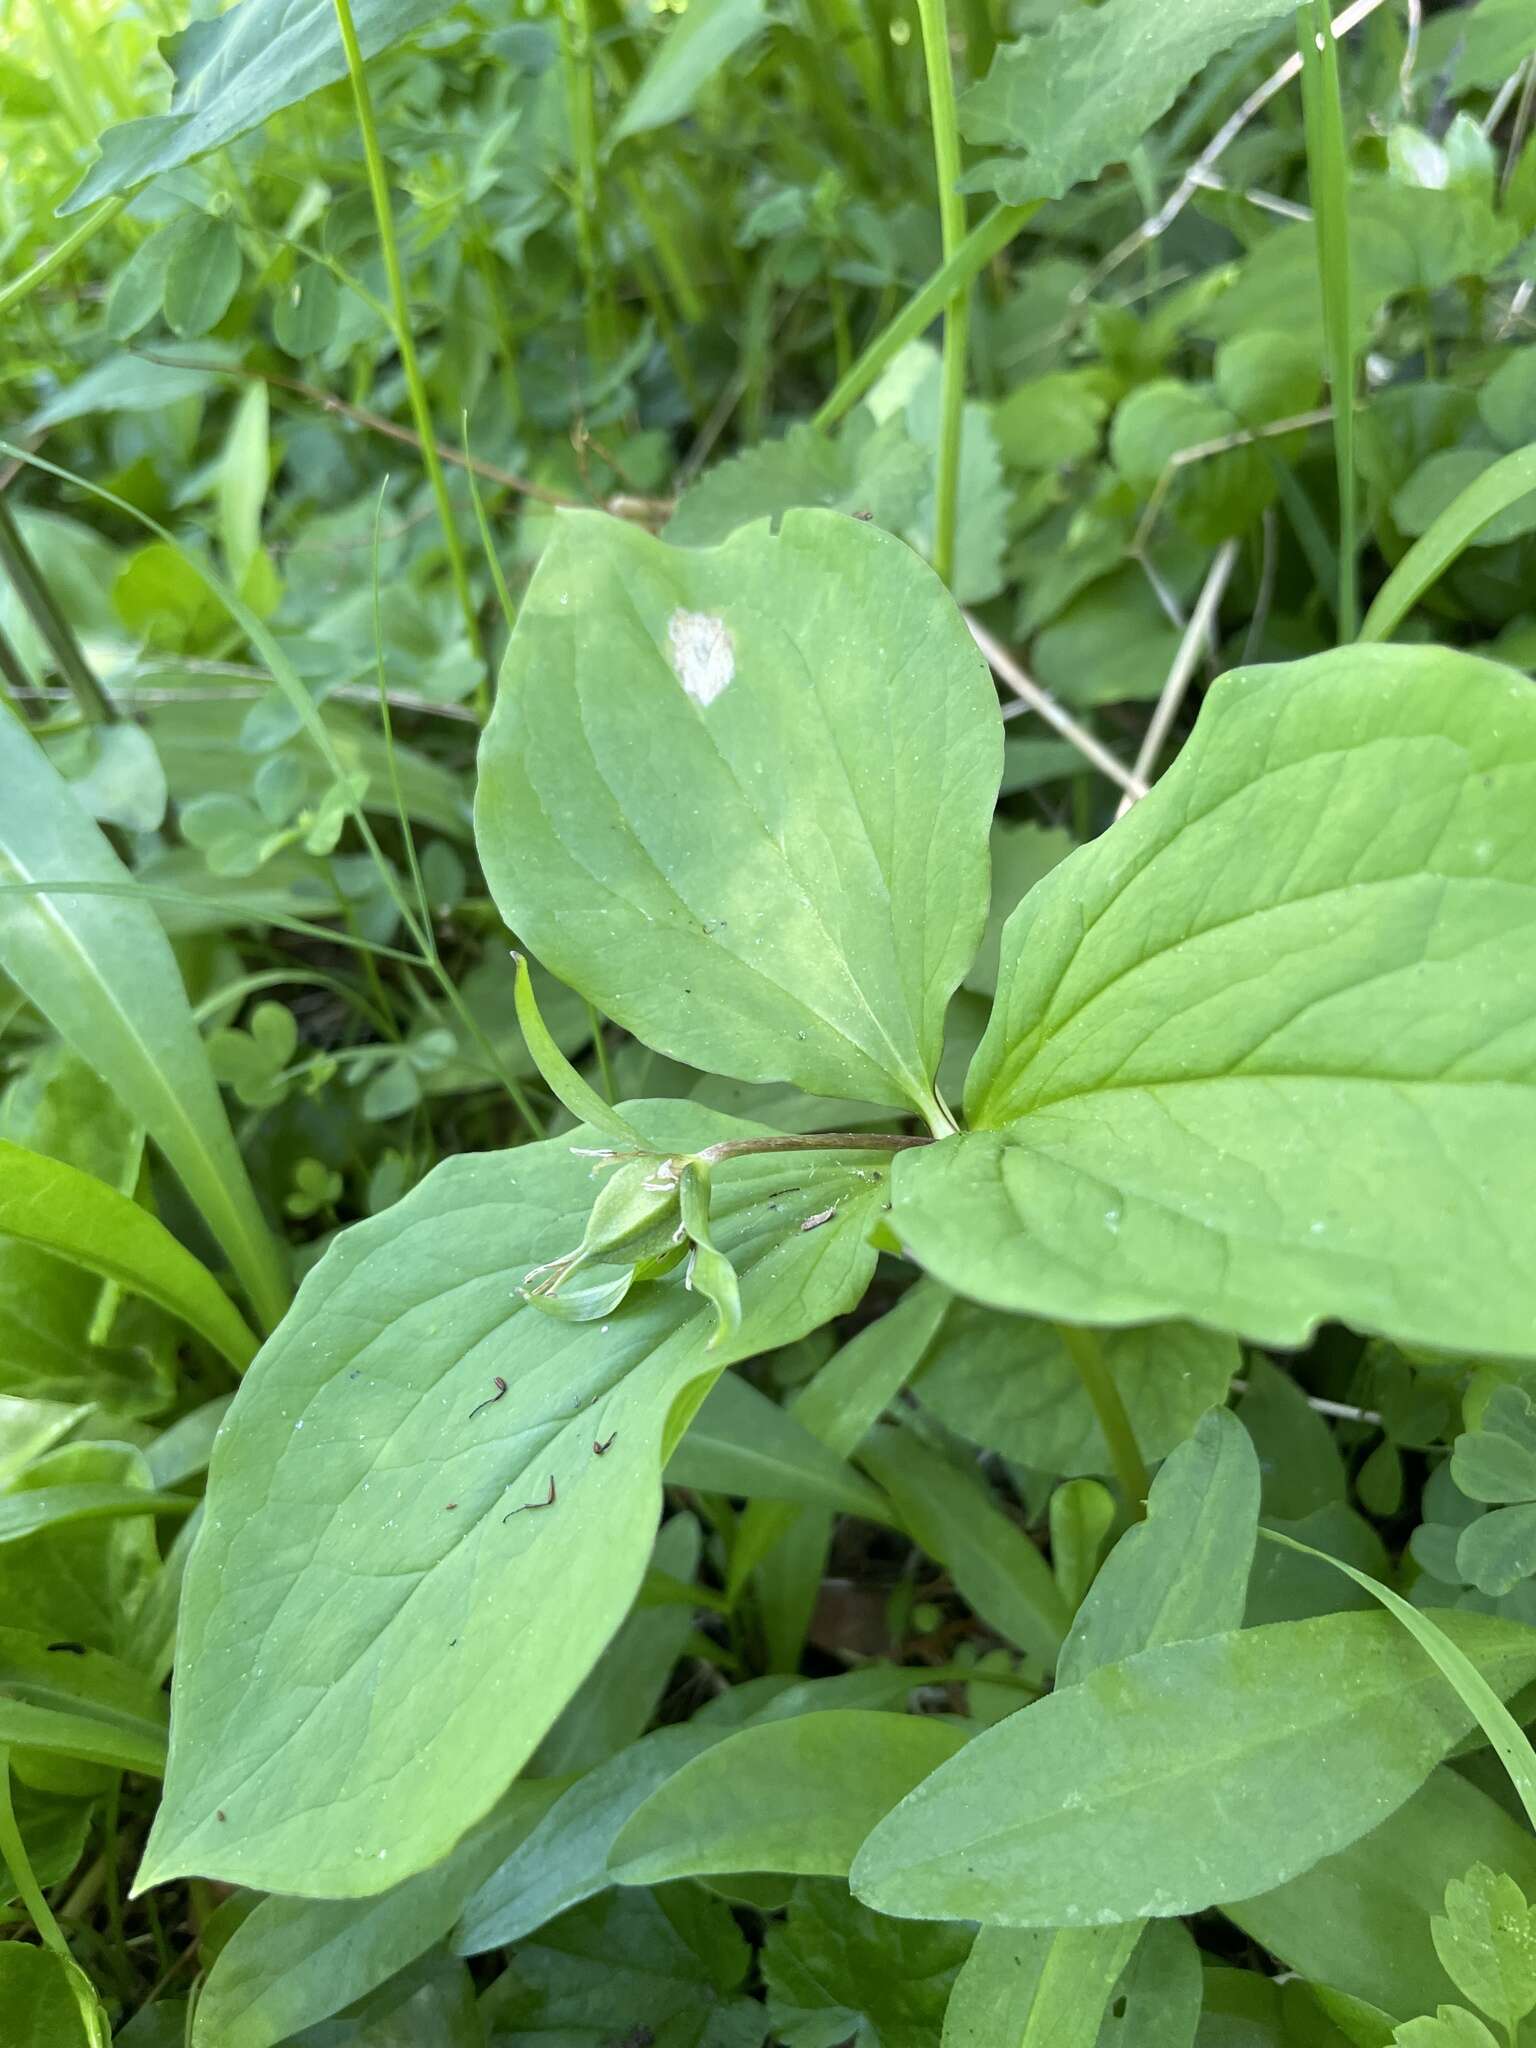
924, 307
581, 112
378, 186
38, 602
1328, 177
946, 158
45, 266
1087, 1354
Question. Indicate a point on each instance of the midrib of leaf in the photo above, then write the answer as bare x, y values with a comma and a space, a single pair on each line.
1011, 1075
918, 1090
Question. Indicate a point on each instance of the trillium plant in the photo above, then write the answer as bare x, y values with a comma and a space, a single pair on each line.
1259, 1056
768, 1024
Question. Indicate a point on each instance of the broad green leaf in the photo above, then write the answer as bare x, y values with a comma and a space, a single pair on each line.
796, 1796
665, 1965
697, 44
1036, 1987
1065, 104
1009, 1384
951, 1515
101, 970
47, 2000
235, 71
58, 1209
910, 391
835, 1971
292, 1962
739, 797
1112, 1799
742, 1442
1486, 1940
1358, 1919
351, 1460
1183, 1572
619, 1697
1482, 1700
1260, 1054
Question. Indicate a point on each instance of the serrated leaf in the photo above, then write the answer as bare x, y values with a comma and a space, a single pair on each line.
1486, 1939
1183, 1572
1066, 103
235, 71
350, 1459
870, 470
1261, 1055
1112, 1799
739, 797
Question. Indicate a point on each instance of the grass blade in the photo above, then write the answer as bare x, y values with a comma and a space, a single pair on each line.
1328, 175
104, 976
1504, 1733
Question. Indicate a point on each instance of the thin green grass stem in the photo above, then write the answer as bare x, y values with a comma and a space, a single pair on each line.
937, 59
405, 340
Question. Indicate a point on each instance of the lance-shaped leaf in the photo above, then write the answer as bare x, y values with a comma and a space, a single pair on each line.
739, 797
57, 1208
101, 970
393, 1596
797, 1795
1119, 1797
1266, 1052
1183, 1572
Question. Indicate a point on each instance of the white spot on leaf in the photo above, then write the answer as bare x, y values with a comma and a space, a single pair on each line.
701, 653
